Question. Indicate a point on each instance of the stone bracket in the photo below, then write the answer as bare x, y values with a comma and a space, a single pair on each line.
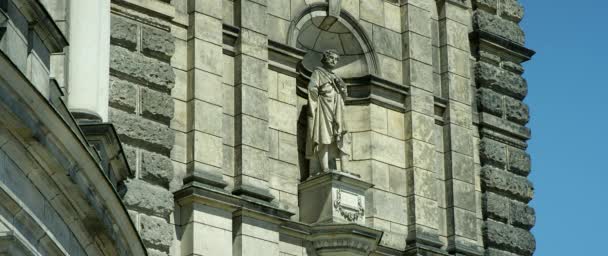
104, 139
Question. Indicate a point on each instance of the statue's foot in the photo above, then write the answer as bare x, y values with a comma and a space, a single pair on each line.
326, 170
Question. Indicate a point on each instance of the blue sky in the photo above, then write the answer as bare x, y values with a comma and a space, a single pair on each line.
568, 96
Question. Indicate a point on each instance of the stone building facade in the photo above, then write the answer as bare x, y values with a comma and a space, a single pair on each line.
177, 127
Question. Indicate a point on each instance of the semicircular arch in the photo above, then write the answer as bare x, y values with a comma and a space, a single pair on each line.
314, 31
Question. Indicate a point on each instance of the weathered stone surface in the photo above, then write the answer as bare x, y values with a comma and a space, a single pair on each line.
502, 81
123, 95
496, 252
510, 238
490, 101
496, 206
141, 68
148, 198
517, 111
153, 252
156, 105
124, 32
157, 43
519, 161
131, 155
511, 9
387, 42
505, 182
156, 168
494, 24
137, 130
491, 4
156, 232
522, 215
494, 152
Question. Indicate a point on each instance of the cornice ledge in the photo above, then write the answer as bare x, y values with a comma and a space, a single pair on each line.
284, 58
482, 37
206, 194
505, 127
365, 90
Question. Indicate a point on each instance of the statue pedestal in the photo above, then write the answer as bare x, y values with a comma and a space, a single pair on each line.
333, 197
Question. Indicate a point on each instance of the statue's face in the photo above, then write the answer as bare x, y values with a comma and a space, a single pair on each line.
331, 60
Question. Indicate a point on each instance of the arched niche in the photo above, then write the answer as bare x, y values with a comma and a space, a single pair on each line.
314, 31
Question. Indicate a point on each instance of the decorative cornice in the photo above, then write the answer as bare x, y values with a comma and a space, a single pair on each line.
203, 193
284, 58
497, 124
486, 39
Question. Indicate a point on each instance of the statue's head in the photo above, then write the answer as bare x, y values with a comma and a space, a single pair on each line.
330, 58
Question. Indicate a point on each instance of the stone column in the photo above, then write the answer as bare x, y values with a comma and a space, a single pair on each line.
461, 203
205, 69
423, 211
89, 59
251, 98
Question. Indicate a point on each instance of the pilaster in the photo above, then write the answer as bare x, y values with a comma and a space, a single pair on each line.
251, 101
461, 201
205, 70
423, 211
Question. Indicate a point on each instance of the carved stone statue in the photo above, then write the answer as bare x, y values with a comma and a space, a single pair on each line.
326, 124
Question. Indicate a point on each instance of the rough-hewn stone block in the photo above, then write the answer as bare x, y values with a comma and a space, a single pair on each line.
519, 161
123, 95
502, 81
124, 32
511, 9
517, 111
490, 101
496, 206
147, 133
508, 237
496, 252
494, 24
505, 182
522, 215
148, 198
157, 43
156, 168
494, 152
156, 232
156, 105
491, 4
139, 67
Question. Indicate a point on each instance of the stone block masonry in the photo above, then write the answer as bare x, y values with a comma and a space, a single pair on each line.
505, 165
141, 109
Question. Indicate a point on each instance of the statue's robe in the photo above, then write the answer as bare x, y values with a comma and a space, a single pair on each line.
326, 124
